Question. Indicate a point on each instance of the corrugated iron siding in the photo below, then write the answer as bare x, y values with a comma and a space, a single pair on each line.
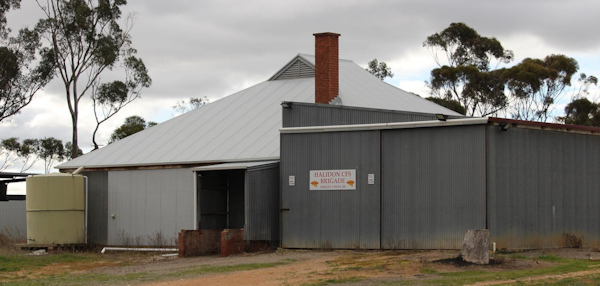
433, 186
13, 220
262, 204
542, 184
302, 114
97, 212
332, 218
149, 203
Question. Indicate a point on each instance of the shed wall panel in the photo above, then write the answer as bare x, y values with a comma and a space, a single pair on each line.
262, 204
330, 218
150, 206
433, 186
322, 115
542, 184
97, 212
13, 222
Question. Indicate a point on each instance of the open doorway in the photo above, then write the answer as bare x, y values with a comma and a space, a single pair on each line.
221, 199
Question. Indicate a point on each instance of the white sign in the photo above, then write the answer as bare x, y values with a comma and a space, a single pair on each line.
292, 180
332, 180
371, 179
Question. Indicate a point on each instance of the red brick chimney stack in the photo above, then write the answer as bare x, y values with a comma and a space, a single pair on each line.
326, 67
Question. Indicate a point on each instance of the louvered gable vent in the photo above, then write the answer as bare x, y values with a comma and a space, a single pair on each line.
297, 68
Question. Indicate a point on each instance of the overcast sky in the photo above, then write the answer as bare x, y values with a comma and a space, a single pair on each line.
215, 48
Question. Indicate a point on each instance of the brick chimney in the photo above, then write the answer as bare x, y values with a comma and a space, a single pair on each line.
326, 67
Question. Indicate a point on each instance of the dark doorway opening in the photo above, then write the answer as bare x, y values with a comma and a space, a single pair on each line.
221, 199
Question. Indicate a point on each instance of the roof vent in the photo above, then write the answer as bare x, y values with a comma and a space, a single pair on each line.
297, 68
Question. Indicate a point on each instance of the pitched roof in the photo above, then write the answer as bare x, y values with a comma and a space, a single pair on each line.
245, 125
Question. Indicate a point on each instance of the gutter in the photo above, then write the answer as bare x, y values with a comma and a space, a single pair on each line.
380, 126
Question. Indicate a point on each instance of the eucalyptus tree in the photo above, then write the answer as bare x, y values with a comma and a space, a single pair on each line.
86, 40
133, 124
379, 69
22, 74
536, 85
582, 112
109, 98
466, 74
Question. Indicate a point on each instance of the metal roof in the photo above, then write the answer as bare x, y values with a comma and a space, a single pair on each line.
9, 175
245, 125
234, 166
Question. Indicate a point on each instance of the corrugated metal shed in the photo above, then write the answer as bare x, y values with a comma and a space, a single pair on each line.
244, 126
433, 184
145, 206
332, 218
13, 219
529, 183
541, 185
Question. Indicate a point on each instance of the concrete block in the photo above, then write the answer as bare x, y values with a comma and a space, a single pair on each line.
476, 246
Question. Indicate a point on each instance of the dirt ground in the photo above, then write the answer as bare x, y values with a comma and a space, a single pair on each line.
306, 267
300, 267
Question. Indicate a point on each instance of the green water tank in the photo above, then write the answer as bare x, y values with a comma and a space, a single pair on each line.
55, 206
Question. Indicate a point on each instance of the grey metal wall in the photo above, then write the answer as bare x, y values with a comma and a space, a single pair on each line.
148, 203
433, 186
331, 218
302, 114
13, 220
262, 204
97, 212
542, 184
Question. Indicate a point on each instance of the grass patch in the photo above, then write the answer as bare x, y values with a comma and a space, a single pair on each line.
138, 277
11, 263
85, 279
208, 269
582, 280
427, 270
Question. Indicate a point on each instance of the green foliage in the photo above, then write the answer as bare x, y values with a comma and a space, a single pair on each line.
85, 39
49, 149
12, 150
110, 98
528, 90
448, 103
463, 46
467, 77
133, 124
22, 73
379, 69
582, 112
68, 147
535, 85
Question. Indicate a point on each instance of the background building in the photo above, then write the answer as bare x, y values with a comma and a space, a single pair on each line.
217, 167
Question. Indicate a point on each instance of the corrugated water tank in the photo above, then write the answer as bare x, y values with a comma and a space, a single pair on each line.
55, 208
